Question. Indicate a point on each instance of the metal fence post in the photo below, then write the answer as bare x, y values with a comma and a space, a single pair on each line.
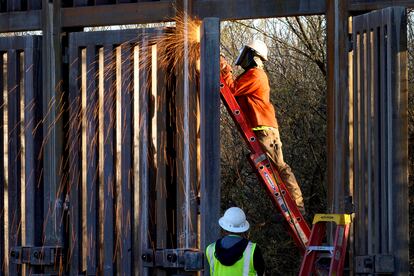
52, 125
210, 131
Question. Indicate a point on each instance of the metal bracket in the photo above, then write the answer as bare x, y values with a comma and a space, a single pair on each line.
349, 205
42, 255
374, 264
187, 259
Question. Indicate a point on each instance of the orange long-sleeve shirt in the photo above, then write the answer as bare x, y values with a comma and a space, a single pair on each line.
252, 92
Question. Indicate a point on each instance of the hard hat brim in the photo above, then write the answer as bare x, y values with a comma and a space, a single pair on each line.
232, 229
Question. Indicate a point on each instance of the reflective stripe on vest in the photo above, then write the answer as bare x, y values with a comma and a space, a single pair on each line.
211, 257
246, 265
243, 267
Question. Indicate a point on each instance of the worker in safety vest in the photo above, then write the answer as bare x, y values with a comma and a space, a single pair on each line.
233, 254
252, 92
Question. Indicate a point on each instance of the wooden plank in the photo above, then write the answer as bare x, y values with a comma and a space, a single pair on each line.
109, 162
126, 159
210, 132
21, 21
14, 157
74, 157
92, 158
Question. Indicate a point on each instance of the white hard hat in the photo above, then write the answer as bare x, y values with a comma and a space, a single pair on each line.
260, 48
234, 221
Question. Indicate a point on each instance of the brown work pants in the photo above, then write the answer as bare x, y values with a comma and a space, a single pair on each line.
270, 141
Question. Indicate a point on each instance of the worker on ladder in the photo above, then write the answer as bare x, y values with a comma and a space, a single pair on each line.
234, 255
252, 92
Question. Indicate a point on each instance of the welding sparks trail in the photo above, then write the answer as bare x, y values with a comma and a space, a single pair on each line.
97, 128
177, 48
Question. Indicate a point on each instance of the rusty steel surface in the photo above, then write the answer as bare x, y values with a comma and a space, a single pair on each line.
99, 207
363, 5
126, 193
337, 52
21, 178
380, 150
109, 198
210, 133
100, 13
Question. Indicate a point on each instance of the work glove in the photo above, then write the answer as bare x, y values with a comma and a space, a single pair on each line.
225, 68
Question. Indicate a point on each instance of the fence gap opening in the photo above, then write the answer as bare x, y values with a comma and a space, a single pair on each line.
22, 152
84, 166
5, 160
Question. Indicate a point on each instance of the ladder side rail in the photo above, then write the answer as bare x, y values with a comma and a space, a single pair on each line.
316, 237
340, 243
237, 115
298, 227
285, 203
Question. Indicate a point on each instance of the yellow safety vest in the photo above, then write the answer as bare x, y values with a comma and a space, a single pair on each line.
243, 267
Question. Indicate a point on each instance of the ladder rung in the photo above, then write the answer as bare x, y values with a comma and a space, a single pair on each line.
321, 248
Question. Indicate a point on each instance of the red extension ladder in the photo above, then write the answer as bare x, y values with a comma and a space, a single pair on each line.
268, 175
313, 261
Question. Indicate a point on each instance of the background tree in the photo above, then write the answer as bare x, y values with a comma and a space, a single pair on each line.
297, 73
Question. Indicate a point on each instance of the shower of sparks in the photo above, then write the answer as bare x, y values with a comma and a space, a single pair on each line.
171, 44
97, 124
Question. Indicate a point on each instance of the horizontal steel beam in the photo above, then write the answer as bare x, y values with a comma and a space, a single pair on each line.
120, 14
379, 4
161, 11
244, 9
153, 12
21, 21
